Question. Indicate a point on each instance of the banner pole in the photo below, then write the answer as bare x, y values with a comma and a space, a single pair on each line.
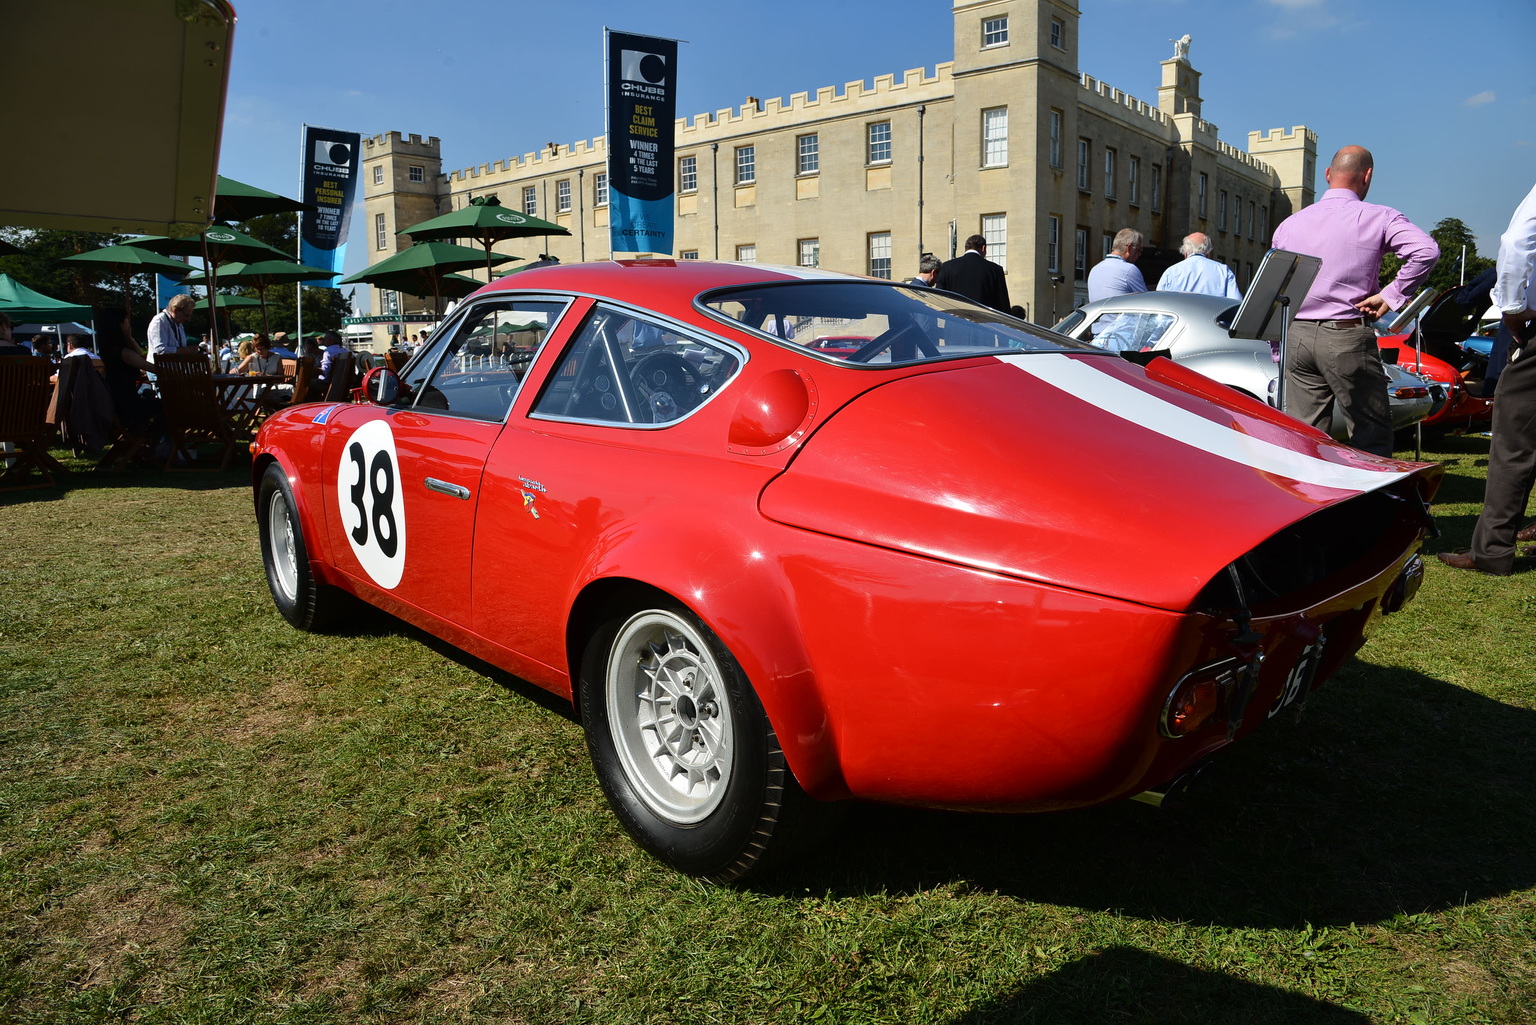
298, 251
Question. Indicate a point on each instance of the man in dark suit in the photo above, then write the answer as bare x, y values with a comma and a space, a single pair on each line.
974, 276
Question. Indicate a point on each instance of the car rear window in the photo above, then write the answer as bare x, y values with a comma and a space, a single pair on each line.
874, 323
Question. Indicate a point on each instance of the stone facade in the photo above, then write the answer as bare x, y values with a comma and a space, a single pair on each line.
1009, 140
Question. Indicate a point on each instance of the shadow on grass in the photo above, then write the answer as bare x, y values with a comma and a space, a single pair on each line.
83, 476
1122, 984
1396, 793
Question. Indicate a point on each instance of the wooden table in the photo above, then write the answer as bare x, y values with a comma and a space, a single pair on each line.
240, 396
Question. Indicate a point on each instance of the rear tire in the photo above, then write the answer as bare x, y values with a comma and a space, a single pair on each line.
685, 755
303, 601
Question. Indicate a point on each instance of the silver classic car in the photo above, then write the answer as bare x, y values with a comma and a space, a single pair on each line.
1193, 330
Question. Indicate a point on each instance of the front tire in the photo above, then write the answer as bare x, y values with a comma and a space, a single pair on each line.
303, 601
682, 748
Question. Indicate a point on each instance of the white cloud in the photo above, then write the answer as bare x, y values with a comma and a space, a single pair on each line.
1486, 96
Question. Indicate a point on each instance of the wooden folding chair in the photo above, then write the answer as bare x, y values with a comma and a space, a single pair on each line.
338, 387
25, 394
191, 407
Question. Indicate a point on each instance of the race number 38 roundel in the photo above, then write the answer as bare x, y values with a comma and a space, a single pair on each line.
372, 512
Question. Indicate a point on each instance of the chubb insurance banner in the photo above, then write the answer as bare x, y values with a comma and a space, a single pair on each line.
642, 104
330, 186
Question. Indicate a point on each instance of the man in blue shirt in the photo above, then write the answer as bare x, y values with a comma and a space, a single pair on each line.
1198, 273
1117, 274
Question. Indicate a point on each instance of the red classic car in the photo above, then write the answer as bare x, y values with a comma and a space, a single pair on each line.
969, 564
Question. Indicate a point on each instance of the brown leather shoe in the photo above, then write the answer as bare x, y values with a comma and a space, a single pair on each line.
1457, 560
1527, 533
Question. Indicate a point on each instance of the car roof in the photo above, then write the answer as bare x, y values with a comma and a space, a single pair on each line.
645, 282
1184, 304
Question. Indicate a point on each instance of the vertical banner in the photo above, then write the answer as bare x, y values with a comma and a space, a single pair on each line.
642, 105
330, 186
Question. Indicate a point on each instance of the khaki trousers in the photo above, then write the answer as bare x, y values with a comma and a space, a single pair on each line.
1324, 363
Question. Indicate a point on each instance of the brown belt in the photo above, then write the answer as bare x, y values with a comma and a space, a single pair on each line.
1353, 322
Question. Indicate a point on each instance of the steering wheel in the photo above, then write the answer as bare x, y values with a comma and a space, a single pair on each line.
667, 383
907, 334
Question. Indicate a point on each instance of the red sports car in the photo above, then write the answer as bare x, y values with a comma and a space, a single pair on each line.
969, 564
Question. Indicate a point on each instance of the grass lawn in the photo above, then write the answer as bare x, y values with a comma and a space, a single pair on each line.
206, 816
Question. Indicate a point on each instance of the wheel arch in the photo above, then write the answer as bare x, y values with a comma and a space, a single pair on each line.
766, 642
311, 517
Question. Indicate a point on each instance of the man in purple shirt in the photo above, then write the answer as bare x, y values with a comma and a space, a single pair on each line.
1331, 350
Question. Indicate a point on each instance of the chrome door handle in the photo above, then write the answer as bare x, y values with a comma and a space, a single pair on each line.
442, 487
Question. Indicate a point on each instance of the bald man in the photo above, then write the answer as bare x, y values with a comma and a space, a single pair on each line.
1197, 272
1331, 350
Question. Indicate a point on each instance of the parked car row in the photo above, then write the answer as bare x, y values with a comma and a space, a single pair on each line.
1194, 330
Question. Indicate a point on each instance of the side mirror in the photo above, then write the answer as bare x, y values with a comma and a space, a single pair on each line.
381, 386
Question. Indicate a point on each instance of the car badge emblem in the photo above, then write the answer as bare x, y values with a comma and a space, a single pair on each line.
528, 499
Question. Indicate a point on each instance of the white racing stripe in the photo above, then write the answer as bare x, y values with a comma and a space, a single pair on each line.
1116, 397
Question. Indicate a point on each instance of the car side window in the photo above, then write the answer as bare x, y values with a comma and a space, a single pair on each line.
623, 369
1130, 331
483, 359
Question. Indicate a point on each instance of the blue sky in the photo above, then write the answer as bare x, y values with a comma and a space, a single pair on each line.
1444, 96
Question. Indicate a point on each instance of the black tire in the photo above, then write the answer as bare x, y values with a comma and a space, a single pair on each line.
718, 801
303, 601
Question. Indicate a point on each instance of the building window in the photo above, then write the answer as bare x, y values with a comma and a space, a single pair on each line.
531, 200
994, 31
810, 252
1250, 218
1237, 215
600, 188
1263, 223
880, 142
1080, 256
689, 254
1202, 205
1058, 32
994, 137
563, 196
378, 174
417, 173
746, 254
1106, 244
688, 174
994, 228
1053, 245
746, 165
1056, 138
380, 233
1109, 174
1221, 209
809, 154
1157, 187
880, 255
1133, 180
1084, 148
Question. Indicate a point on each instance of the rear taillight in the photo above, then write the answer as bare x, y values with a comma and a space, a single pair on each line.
1412, 392
1207, 693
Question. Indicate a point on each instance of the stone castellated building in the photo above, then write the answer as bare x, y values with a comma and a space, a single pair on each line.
1009, 140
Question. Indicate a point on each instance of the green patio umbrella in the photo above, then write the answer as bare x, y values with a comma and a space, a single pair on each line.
216, 244
228, 302
237, 201
130, 260
422, 269
21, 303
486, 221
261, 275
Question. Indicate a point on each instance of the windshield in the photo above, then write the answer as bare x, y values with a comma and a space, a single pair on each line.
870, 322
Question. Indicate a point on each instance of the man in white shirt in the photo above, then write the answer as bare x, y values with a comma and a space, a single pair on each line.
166, 333
1512, 452
1198, 273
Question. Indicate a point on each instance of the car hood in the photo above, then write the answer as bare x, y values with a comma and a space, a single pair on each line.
1081, 471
